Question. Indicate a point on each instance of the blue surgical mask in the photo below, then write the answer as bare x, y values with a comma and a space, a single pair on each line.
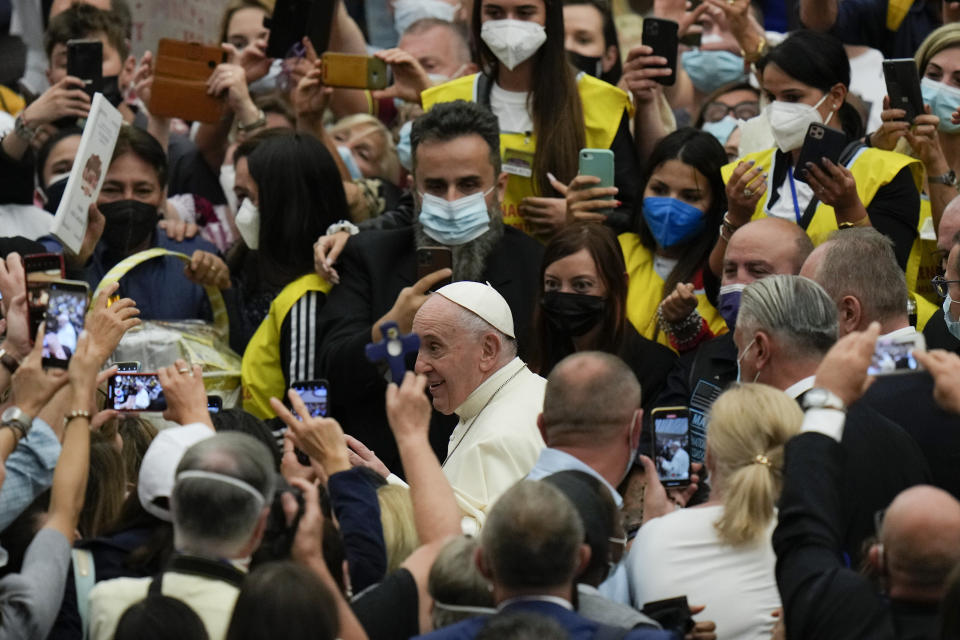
953, 326
672, 221
452, 223
729, 303
710, 70
404, 151
721, 129
351, 163
741, 357
943, 100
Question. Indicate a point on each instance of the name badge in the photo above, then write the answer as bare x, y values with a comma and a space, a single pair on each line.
518, 163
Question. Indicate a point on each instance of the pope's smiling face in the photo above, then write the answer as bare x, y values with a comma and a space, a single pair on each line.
450, 353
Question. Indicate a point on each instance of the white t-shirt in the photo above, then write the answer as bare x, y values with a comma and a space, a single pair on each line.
511, 109
680, 554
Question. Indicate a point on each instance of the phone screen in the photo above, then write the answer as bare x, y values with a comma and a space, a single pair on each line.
65, 309
314, 395
895, 356
214, 404
671, 445
136, 392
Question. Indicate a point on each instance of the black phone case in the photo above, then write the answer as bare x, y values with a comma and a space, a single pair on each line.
661, 36
85, 61
821, 142
903, 86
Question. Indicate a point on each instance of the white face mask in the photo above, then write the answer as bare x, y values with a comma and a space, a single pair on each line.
789, 122
228, 178
513, 41
248, 223
406, 12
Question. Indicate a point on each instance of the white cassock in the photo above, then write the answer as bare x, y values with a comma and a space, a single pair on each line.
497, 442
678, 466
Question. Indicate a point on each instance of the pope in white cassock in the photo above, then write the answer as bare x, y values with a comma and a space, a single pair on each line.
468, 352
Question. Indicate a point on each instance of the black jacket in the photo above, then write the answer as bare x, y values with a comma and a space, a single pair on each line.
821, 597
373, 268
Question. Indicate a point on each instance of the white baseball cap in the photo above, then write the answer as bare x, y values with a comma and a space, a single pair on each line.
482, 300
159, 467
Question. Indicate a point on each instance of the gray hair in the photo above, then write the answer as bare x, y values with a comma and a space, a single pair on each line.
215, 517
458, 589
794, 309
861, 263
590, 394
478, 327
532, 537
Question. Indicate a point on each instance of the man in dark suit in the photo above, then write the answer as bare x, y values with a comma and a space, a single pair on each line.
459, 185
785, 327
919, 540
531, 548
858, 269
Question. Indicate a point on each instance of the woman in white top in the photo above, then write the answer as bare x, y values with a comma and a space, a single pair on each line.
719, 554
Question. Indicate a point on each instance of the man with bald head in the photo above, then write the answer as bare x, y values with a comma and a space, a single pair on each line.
919, 540
468, 352
761, 248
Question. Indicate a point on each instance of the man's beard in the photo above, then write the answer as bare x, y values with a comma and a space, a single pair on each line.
470, 258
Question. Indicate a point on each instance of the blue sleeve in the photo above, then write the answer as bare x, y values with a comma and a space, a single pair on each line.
29, 471
354, 502
862, 22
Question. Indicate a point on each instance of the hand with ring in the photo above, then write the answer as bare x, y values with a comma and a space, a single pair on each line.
746, 186
185, 394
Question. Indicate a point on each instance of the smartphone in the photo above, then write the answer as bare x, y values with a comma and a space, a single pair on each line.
895, 355
903, 86
180, 81
85, 61
671, 445
599, 163
821, 142
131, 366
314, 395
40, 270
672, 614
293, 19
661, 36
214, 404
135, 392
353, 71
431, 259
66, 309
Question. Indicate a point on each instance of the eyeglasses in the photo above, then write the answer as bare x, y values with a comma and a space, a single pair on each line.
717, 111
941, 286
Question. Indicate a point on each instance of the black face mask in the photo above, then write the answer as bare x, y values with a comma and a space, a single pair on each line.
129, 224
54, 194
572, 314
589, 65
111, 90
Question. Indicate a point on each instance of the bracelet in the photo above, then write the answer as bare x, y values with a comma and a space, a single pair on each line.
26, 133
256, 124
724, 233
343, 225
756, 55
73, 415
8, 361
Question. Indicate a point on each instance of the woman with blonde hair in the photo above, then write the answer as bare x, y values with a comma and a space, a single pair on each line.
719, 553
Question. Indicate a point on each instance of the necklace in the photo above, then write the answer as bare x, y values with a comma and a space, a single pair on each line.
474, 420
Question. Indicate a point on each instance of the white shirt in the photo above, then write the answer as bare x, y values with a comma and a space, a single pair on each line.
681, 554
512, 109
496, 442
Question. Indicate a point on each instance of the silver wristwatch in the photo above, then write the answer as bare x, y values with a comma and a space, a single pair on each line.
818, 398
949, 178
17, 419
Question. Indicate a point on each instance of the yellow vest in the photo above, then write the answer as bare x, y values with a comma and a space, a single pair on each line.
603, 108
10, 101
260, 371
896, 11
645, 292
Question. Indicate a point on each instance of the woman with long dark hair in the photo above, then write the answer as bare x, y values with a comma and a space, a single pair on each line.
583, 304
806, 79
547, 111
291, 191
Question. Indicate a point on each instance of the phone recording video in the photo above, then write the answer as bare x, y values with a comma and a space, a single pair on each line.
135, 392
671, 445
65, 303
895, 355
314, 396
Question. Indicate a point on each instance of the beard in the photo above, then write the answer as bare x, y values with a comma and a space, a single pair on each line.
470, 258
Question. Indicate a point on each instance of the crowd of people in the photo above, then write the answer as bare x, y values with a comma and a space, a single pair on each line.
500, 472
